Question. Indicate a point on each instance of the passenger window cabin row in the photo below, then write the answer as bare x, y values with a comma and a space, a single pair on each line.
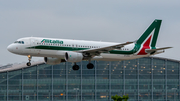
68, 45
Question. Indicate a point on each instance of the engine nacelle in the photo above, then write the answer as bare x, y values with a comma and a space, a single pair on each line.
73, 57
52, 61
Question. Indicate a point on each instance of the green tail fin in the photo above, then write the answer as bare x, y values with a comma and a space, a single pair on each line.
153, 30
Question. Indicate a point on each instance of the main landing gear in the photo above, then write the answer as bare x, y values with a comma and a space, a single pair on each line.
75, 67
89, 66
29, 58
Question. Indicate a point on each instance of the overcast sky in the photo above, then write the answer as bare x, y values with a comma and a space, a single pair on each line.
105, 20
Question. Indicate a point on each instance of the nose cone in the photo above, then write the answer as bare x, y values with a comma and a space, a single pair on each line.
10, 48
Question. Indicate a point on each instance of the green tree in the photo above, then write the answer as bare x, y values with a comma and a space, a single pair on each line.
119, 98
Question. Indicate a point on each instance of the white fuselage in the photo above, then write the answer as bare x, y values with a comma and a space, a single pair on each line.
51, 48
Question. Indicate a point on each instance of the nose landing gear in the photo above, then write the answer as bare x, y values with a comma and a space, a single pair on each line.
28, 63
29, 58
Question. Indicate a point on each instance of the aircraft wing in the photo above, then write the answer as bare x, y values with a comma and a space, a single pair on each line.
105, 49
153, 50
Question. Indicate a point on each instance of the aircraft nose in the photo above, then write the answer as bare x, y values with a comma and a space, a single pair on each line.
10, 48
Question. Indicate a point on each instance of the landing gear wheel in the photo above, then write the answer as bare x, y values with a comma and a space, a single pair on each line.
28, 64
90, 66
29, 58
75, 67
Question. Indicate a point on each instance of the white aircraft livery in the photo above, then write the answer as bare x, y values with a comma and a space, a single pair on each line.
56, 51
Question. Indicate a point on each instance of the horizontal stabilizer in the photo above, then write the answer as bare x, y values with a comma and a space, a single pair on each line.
153, 50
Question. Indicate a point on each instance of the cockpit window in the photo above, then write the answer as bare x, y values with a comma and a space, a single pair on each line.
16, 42
20, 42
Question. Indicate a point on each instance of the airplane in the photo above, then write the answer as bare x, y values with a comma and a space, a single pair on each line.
56, 51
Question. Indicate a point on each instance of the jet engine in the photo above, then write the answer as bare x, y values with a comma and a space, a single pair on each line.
52, 61
73, 57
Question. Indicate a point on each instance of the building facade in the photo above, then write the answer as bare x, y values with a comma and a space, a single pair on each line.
144, 79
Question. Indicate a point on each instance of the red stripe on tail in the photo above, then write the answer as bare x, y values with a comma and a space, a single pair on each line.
146, 45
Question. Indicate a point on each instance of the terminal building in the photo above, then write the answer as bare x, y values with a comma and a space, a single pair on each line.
144, 79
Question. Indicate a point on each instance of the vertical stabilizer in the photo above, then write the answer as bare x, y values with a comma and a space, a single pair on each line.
149, 37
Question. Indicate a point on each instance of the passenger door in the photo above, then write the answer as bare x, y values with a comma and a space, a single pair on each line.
33, 45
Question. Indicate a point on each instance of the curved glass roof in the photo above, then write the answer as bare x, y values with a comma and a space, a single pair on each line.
11, 67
